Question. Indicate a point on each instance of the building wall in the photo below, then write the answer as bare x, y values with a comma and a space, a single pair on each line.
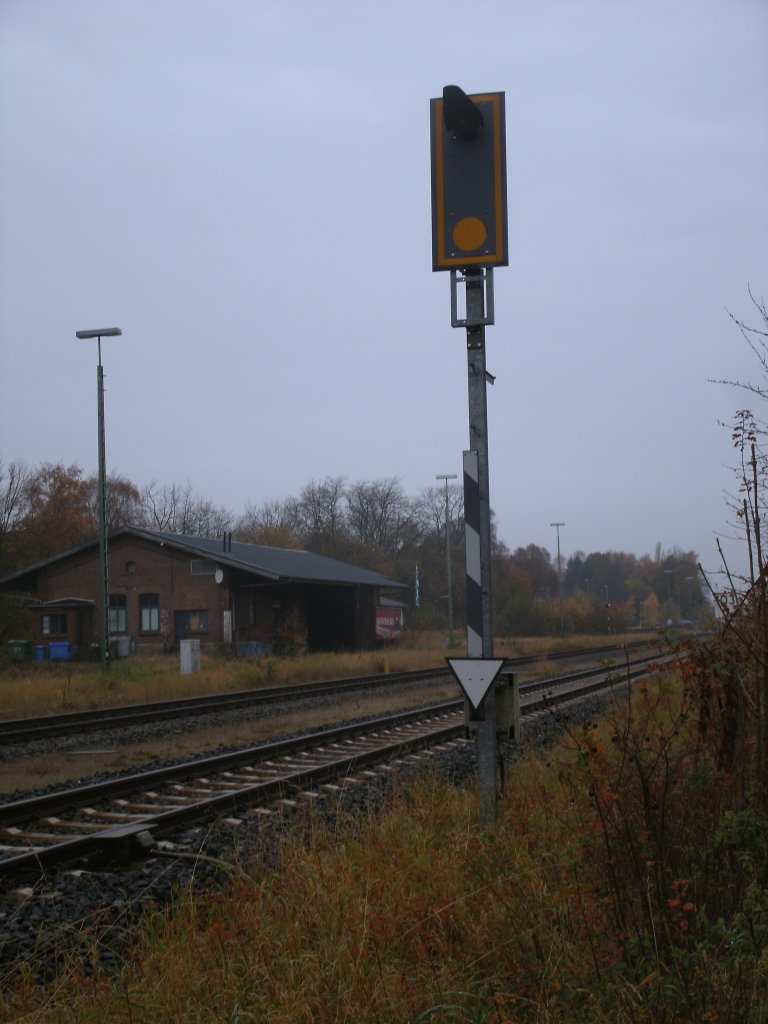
285, 617
136, 569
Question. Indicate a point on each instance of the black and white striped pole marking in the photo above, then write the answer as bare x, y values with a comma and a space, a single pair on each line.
472, 548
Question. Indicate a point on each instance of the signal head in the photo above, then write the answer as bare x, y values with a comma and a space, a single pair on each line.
462, 118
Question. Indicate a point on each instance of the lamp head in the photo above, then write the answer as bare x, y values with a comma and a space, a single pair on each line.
101, 332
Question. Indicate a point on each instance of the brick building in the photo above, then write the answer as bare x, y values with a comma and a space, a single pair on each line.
164, 588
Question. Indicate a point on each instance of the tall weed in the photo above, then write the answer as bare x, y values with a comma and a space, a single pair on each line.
684, 863
625, 882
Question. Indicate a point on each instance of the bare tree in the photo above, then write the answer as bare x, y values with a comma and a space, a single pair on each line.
272, 523
177, 509
430, 510
159, 505
14, 481
379, 514
14, 478
320, 511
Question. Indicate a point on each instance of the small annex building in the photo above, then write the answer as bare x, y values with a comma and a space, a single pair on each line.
164, 588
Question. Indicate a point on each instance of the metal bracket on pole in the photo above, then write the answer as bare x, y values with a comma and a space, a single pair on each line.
485, 276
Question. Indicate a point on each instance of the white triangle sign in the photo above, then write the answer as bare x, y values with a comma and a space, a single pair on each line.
476, 676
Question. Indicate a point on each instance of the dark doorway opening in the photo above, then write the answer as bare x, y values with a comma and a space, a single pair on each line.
332, 619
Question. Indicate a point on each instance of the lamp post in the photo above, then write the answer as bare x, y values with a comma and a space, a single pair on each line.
99, 333
447, 477
559, 577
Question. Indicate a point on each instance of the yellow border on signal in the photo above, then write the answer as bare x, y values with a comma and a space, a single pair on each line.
464, 261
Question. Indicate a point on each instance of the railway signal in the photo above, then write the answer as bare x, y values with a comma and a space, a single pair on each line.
469, 238
469, 192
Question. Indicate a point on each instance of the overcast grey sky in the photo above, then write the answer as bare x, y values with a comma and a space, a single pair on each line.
243, 187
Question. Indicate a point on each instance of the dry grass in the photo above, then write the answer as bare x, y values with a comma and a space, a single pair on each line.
31, 688
379, 921
419, 917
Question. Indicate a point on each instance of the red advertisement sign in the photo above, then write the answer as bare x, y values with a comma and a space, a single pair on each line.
389, 623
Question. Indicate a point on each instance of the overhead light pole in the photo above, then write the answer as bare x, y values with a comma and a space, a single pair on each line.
99, 333
559, 576
447, 477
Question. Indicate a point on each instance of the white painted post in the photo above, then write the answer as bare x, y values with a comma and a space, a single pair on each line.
190, 657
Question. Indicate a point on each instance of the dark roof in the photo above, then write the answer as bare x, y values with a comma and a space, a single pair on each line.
278, 564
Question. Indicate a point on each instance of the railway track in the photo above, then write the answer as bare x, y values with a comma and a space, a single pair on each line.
24, 730
113, 820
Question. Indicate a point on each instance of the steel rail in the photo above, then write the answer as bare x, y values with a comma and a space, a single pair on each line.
580, 684
64, 800
445, 720
120, 839
20, 730
23, 730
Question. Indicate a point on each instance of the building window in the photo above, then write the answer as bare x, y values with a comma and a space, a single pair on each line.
117, 613
54, 625
189, 623
198, 621
202, 567
149, 613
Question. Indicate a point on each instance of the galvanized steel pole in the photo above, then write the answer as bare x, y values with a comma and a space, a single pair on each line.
102, 496
478, 441
559, 576
103, 562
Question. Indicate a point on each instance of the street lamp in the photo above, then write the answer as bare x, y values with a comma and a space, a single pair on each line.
99, 333
559, 577
447, 477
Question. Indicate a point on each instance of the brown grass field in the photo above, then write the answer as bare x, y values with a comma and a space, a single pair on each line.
621, 884
585, 904
32, 688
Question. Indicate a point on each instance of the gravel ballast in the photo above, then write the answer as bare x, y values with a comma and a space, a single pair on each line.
90, 913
